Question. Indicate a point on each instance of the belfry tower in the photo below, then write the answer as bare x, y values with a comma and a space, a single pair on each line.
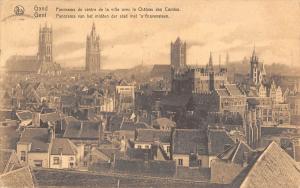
45, 44
92, 63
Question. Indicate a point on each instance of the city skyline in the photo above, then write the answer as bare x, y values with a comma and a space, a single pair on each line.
230, 29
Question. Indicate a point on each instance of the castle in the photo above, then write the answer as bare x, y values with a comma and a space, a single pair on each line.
198, 79
92, 63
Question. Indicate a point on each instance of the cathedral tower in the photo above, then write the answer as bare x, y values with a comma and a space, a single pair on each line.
178, 54
45, 44
92, 63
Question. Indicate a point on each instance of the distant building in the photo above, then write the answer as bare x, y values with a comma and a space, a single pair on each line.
124, 97
42, 63
197, 148
178, 54
257, 70
33, 147
63, 154
198, 80
92, 62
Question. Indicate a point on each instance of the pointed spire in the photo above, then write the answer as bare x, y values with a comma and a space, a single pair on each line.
227, 58
219, 60
210, 63
94, 26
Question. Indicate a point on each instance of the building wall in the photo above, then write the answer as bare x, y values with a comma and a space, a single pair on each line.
20, 148
44, 157
142, 145
64, 161
185, 159
205, 161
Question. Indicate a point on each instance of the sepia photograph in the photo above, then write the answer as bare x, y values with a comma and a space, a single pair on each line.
150, 93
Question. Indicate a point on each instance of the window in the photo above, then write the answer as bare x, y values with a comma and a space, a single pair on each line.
146, 147
38, 163
23, 156
139, 146
180, 162
71, 158
168, 149
200, 162
55, 160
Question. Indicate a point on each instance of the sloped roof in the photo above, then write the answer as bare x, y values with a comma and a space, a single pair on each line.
24, 115
8, 161
82, 130
131, 126
218, 139
51, 117
160, 70
273, 168
19, 63
222, 92
38, 137
187, 141
236, 153
151, 135
17, 178
63, 146
233, 89
163, 122
5, 114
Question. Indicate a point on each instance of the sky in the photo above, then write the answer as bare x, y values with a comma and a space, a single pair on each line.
217, 26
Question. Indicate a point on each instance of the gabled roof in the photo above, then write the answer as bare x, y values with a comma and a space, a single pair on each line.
63, 146
21, 177
82, 130
8, 161
38, 137
187, 141
236, 153
273, 168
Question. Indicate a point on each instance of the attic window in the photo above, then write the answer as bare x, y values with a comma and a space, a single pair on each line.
38, 149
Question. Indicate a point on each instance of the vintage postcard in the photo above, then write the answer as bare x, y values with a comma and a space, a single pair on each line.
150, 93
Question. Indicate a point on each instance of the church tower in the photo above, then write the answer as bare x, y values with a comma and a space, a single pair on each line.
92, 63
254, 72
178, 54
45, 44
211, 74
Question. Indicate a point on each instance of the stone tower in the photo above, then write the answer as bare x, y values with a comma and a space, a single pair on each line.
178, 54
210, 71
45, 44
92, 63
254, 71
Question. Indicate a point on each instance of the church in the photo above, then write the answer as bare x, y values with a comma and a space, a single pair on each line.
42, 63
92, 62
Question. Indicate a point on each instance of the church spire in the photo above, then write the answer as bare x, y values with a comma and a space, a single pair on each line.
210, 65
227, 58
